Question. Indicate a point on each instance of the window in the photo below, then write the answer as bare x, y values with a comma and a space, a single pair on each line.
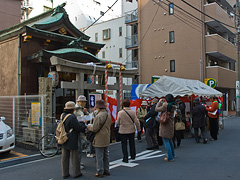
106, 34
103, 54
120, 31
171, 37
172, 65
120, 52
171, 9
96, 37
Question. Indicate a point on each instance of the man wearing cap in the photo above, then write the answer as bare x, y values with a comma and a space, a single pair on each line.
213, 117
141, 113
80, 106
80, 111
199, 113
71, 145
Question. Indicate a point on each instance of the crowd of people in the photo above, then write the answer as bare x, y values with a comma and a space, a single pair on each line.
163, 121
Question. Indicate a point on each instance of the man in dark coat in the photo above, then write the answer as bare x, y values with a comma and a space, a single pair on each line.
150, 126
199, 120
71, 145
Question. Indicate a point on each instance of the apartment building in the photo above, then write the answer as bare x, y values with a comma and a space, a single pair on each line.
10, 13
120, 43
176, 39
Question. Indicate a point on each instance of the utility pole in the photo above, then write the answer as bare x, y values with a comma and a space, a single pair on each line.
238, 62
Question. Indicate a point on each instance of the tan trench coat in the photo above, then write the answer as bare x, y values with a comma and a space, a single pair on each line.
102, 138
126, 125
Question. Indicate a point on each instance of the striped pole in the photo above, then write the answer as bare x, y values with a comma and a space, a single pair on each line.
120, 87
106, 86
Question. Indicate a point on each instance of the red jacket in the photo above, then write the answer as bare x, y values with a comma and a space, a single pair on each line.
212, 109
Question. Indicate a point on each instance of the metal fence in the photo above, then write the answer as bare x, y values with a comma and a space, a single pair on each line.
24, 115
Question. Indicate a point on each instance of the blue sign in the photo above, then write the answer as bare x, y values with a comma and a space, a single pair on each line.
137, 89
92, 100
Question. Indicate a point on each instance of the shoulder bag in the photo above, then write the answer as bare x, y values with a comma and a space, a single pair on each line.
91, 135
179, 126
164, 117
129, 115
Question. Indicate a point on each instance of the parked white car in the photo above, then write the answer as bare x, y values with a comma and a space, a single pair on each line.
7, 138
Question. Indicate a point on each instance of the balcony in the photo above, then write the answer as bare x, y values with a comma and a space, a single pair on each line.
220, 48
132, 64
215, 11
225, 78
131, 42
131, 17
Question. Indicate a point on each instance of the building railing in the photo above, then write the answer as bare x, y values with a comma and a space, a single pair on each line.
224, 76
132, 64
216, 45
131, 17
217, 12
131, 41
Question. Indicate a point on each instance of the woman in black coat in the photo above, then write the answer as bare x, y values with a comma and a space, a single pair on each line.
199, 120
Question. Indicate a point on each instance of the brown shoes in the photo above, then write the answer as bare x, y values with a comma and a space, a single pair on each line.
98, 175
165, 159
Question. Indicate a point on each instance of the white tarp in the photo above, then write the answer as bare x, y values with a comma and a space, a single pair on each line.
178, 87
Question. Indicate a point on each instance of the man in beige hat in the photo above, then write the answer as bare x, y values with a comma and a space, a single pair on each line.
141, 113
80, 111
80, 106
71, 145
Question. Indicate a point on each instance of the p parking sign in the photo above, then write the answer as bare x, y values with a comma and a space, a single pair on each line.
211, 82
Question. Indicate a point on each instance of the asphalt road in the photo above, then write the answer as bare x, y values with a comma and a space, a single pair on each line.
216, 160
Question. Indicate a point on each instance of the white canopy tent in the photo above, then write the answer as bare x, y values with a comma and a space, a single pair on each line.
178, 87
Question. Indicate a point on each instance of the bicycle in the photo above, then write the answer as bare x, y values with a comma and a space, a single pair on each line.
48, 146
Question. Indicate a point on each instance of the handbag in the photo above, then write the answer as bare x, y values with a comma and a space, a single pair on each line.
164, 117
91, 135
179, 126
149, 123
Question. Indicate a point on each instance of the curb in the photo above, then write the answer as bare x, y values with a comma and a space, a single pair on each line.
21, 160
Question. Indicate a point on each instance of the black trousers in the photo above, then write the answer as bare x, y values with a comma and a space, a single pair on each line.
139, 137
213, 123
124, 139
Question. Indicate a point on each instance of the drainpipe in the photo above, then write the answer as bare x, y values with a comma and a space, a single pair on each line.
202, 64
139, 48
18, 64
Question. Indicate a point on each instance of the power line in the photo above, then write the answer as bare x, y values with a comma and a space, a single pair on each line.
185, 21
101, 15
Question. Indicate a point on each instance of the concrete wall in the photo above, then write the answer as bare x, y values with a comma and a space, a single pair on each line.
8, 68
10, 13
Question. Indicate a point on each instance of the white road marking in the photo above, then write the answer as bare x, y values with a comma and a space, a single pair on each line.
148, 154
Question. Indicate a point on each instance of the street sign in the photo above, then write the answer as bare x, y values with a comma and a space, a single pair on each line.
155, 78
55, 78
211, 82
